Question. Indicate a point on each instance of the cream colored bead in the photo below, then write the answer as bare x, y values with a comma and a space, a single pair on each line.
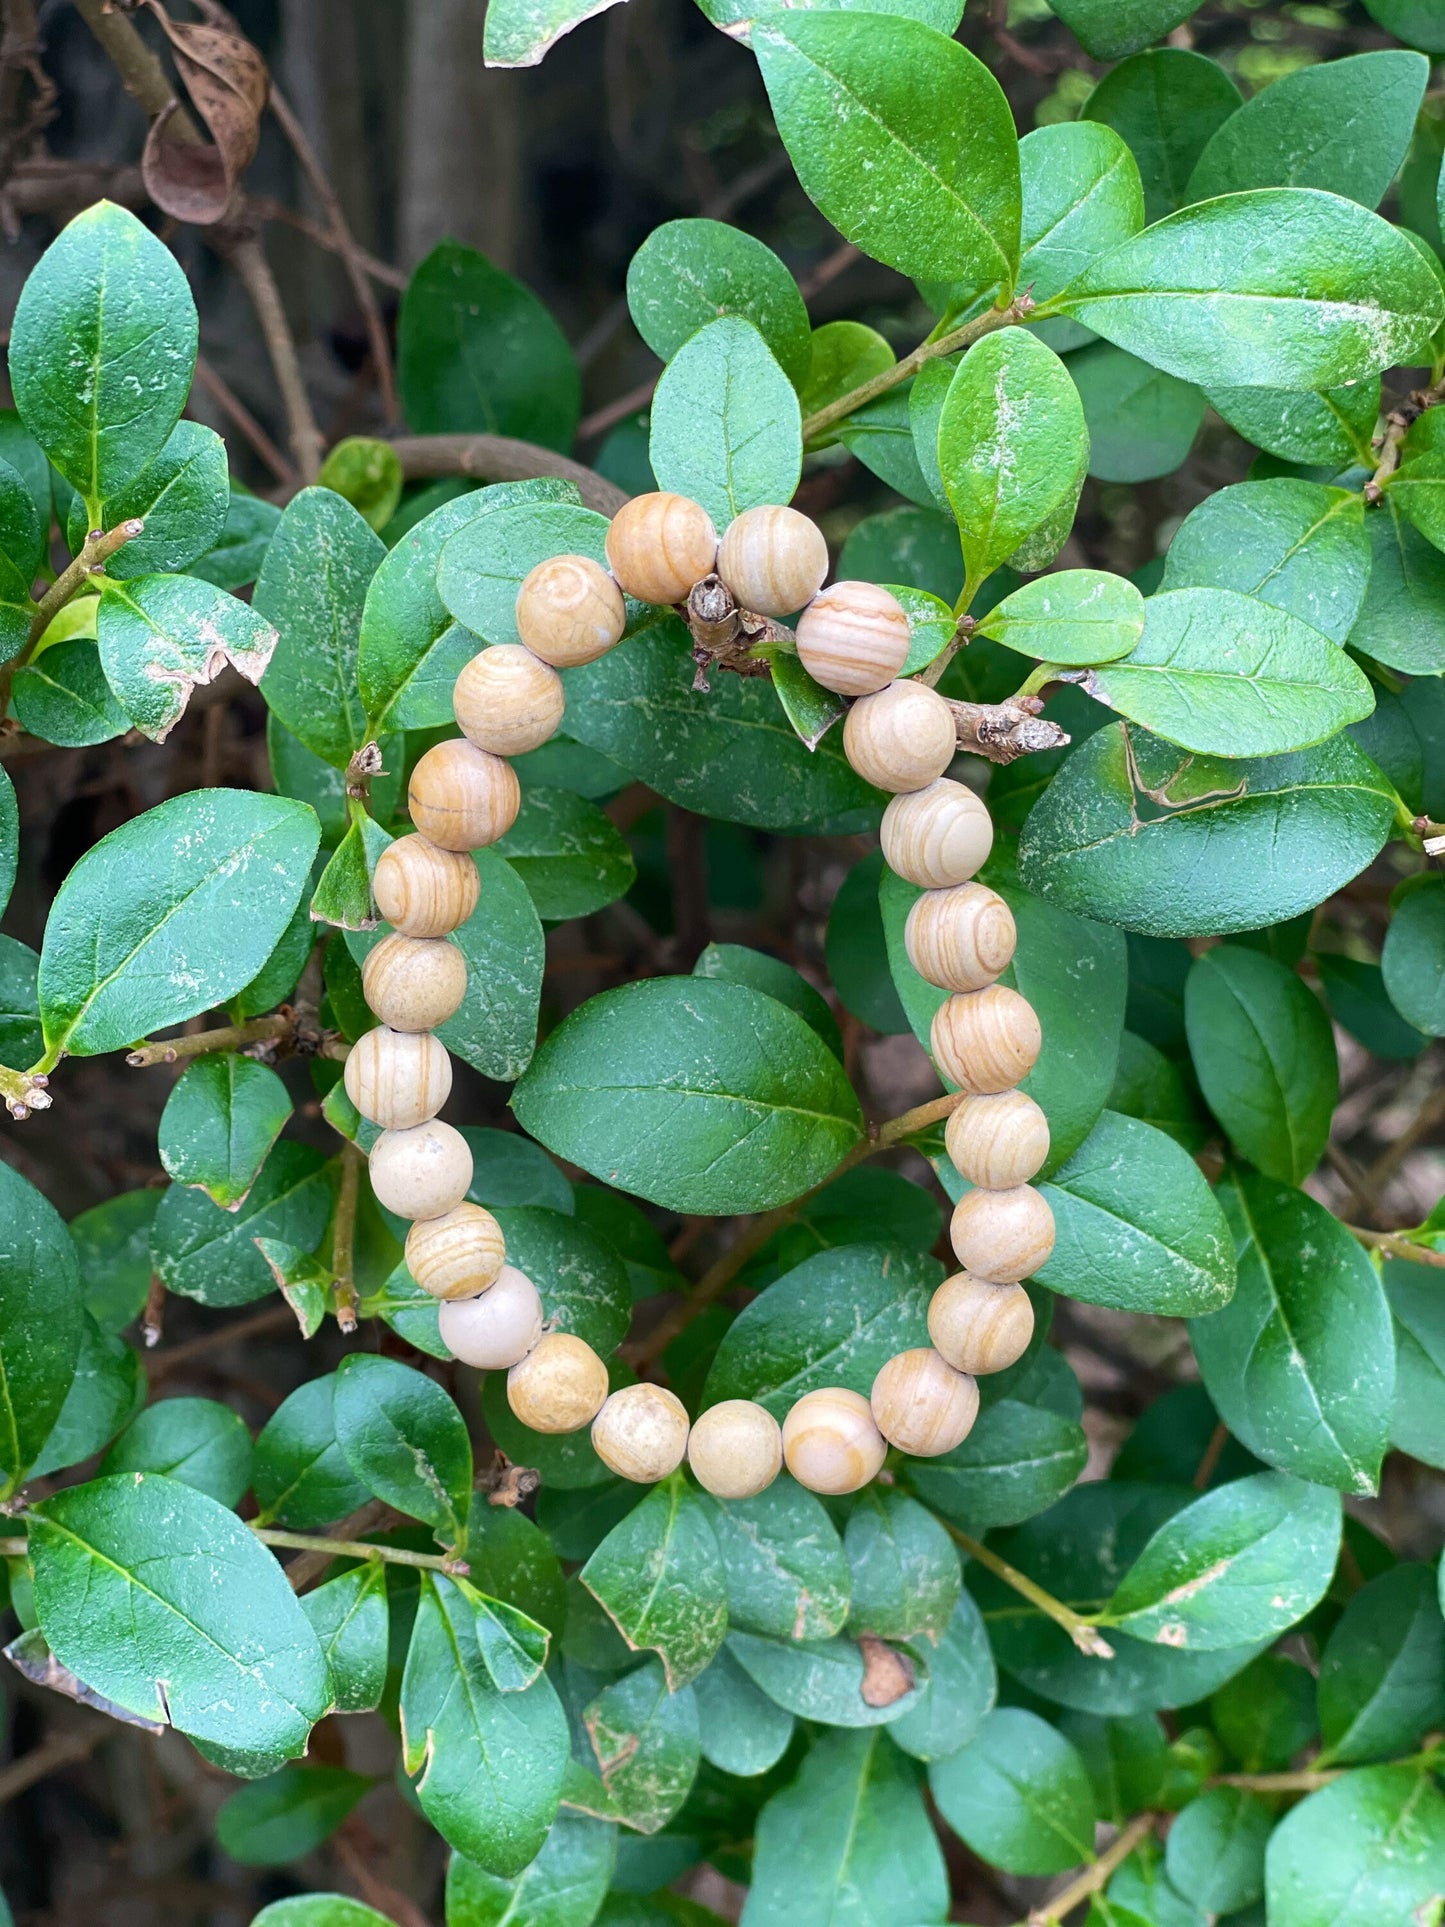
414, 983
423, 1172
397, 1078
938, 836
423, 891
922, 1405
980, 1327
496, 1330
831, 1443
1002, 1236
735, 1449
559, 1386
997, 1141
507, 700
461, 798
960, 939
901, 739
853, 638
457, 1255
641, 1433
659, 545
773, 559
985, 1040
570, 611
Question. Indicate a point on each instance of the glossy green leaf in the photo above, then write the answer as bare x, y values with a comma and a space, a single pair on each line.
660, 1577
1081, 196
1402, 619
1365, 1849
581, 1279
1265, 1714
164, 1602
701, 1096
871, 113
219, 1123
1332, 428
1418, 1423
192, 1440
368, 473
202, 1251
568, 853
1382, 1672
318, 1910
1167, 104
102, 349
160, 636
239, 550
1121, 833
735, 963
112, 1244
645, 1744
819, 1680
725, 422
41, 1317
183, 497
478, 353
1414, 947
563, 1887
62, 697
106, 1390
1343, 125
1075, 616
906, 1581
405, 1440
291, 1813
1215, 1851
301, 1476
784, 1569
484, 562
688, 273
1018, 1795
958, 1694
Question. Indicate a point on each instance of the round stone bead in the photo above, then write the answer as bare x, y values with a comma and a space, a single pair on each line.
902, 739
460, 798
980, 1327
397, 1078
458, 1254
414, 983
1002, 1236
641, 1433
938, 836
960, 939
831, 1442
508, 701
922, 1405
853, 638
773, 559
735, 1449
570, 611
423, 891
423, 1172
997, 1140
497, 1329
985, 1040
559, 1386
659, 545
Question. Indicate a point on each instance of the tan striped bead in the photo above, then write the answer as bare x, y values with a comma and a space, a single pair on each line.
1002, 1236
508, 701
559, 1386
998, 1140
773, 559
461, 798
831, 1442
937, 837
659, 545
735, 1449
853, 638
985, 1040
641, 1433
397, 1078
901, 739
423, 891
980, 1327
421, 1172
414, 983
457, 1255
570, 611
922, 1405
960, 939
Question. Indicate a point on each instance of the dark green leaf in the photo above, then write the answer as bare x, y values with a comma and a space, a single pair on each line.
1355, 993
241, 547
1151, 1086
41, 1323
1026, 1449
581, 1279
1382, 1672
106, 1390
688, 273
301, 1475
907, 545
645, 1744
112, 1243
783, 1563
1333, 428
1141, 422
1215, 1851
62, 696
192, 1440
735, 963
725, 422
160, 636
1166, 104
1266, 1714
1368, 1848
660, 1577
219, 1123
183, 498
818, 1680
202, 1251
288, 1814
21, 1041
405, 1440
409, 650
1402, 619
857, 953
563, 1886
906, 1580
1414, 947
1019, 1795
568, 853
1418, 1308
958, 1693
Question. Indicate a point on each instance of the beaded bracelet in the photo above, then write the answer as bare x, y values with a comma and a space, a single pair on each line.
899, 735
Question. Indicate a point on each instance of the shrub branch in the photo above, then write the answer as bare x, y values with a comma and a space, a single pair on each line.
1085, 1636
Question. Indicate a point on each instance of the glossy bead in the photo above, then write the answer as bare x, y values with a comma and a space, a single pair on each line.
831, 1443
457, 1255
901, 739
507, 700
938, 836
922, 1405
997, 1141
985, 1040
423, 891
559, 1386
414, 983
853, 638
980, 1327
960, 939
420, 1173
570, 611
397, 1078
659, 545
1002, 1236
735, 1449
773, 559
496, 1330
641, 1433
460, 798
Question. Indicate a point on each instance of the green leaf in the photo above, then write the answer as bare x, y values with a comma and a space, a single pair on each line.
301, 1476
240, 549
201, 1251
1418, 1424
1243, 1562
784, 1567
1412, 953
1295, 545
287, 1815
318, 1910
857, 953
1355, 993
818, 1680
1382, 1672
1081, 196
1264, 1055
1108, 29
1019, 1795
112, 1244
22, 548
343, 894
1402, 619
512, 1559
1012, 445
958, 1693
565, 1460
164, 1602
183, 497
41, 1320
731, 754
1332, 428
20, 1038
102, 349
496, 1027
1265, 1714
811, 709
734, 963
910, 545
1136, 1226
1215, 1851
880, 434
568, 853
508, 1169
192, 1440
478, 353
700, 1096
405, 1440
62, 697
564, 1886
1075, 616
219, 1123
169, 915
1368, 1848
870, 112
834, 1320
633, 1236
1342, 126
484, 562
1123, 830
106, 1390
1300, 1362
740, 1730
842, 356
1151, 1086
1222, 673
688, 273
312, 587
1141, 422
1283, 288
160, 636
1167, 104
660, 1577
726, 428
581, 1279
487, 1764
645, 1744
1025, 1450
368, 473
850, 1838
906, 1580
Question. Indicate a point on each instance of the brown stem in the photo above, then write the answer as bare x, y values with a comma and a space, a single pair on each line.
274, 1318
372, 264
1398, 424
346, 247
1096, 1875
1087, 1638
141, 73
307, 443
1002, 732
1394, 1245
59, 1750
500, 458
236, 411
277, 1028
957, 338
153, 1318
343, 1239
1303, 1780
360, 1549
95, 552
